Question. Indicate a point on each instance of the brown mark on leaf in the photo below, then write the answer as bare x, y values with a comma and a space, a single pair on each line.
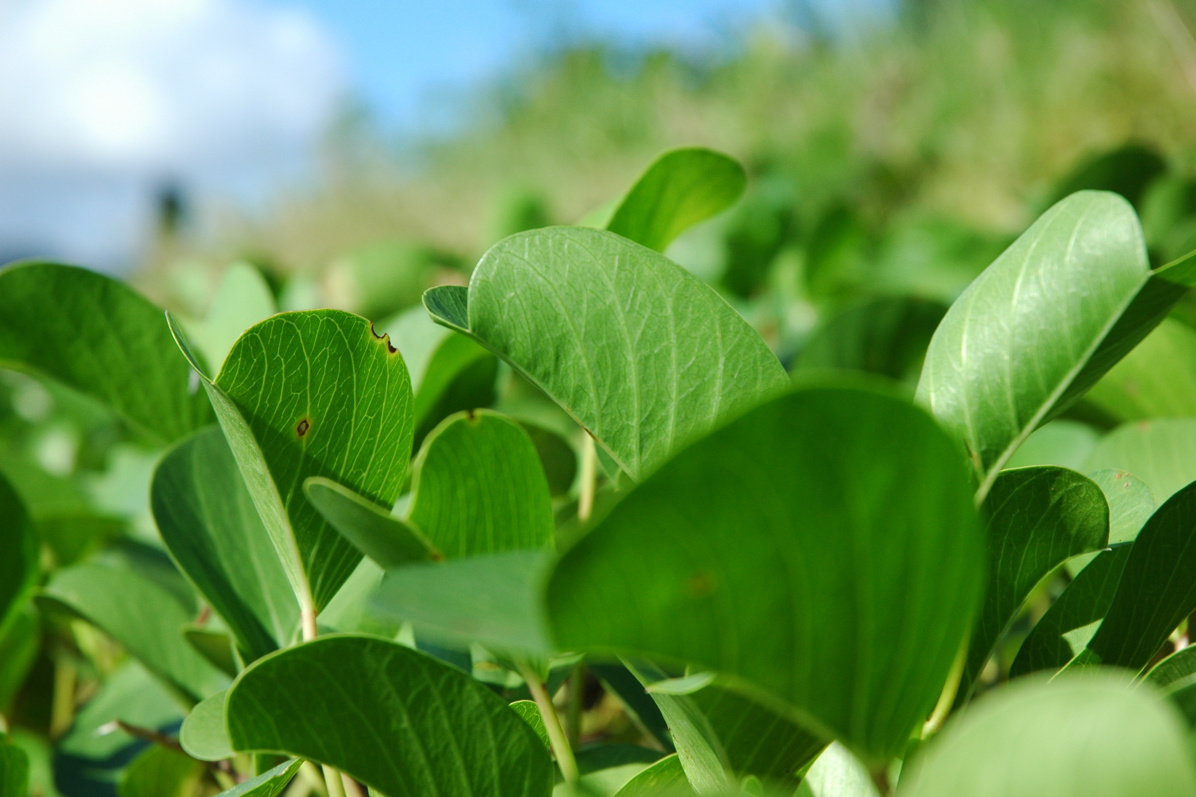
700, 585
302, 428
384, 336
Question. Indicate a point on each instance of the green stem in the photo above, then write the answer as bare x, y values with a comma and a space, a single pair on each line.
332, 781
589, 478
947, 697
552, 723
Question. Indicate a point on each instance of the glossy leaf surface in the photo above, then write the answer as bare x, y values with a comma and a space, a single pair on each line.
406, 706
760, 520
640, 352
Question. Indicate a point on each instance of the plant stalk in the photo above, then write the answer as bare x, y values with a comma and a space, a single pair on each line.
552, 723
589, 478
947, 697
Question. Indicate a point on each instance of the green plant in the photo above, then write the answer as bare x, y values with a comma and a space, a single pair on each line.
782, 583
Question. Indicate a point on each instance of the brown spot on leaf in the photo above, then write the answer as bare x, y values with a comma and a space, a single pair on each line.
302, 428
384, 336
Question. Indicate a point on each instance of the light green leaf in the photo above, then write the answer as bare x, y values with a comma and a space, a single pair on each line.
1155, 592
755, 523
479, 488
387, 540
493, 600
837, 773
1063, 443
887, 336
161, 772
665, 777
405, 705
1042, 324
242, 299
640, 352
606, 768
98, 336
1093, 735
18, 565
682, 188
140, 613
204, 734
530, 713
1037, 518
14, 770
314, 393
1155, 380
208, 521
1159, 452
270, 783
1130, 506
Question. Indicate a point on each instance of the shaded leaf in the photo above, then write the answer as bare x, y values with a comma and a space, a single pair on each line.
98, 336
214, 645
313, 393
404, 703
1174, 672
749, 506
1093, 735
1043, 323
207, 519
204, 734
14, 770
19, 646
1037, 518
680, 189
886, 336
530, 713
641, 353
606, 768
18, 565
161, 772
387, 540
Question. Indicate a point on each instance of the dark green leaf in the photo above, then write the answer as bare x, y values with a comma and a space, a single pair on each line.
886, 336
1093, 735
1043, 323
18, 565
205, 733
208, 521
750, 523
314, 393
214, 645
161, 772
19, 645
1037, 518
644, 355
1174, 672
387, 540
405, 706
680, 189
98, 336
14, 770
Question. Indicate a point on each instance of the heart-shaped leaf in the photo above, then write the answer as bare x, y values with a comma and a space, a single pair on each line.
682, 188
1093, 735
1037, 518
313, 393
420, 726
641, 353
208, 521
98, 336
1043, 323
786, 551
18, 565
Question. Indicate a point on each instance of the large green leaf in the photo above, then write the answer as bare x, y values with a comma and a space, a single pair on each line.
1158, 451
479, 488
682, 188
1043, 323
141, 613
207, 520
98, 336
1156, 590
18, 565
640, 352
1093, 735
787, 551
1037, 518
419, 726
14, 770
314, 393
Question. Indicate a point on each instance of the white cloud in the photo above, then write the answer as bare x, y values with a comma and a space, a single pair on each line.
125, 92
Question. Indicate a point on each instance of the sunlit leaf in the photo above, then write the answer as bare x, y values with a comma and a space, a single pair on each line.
1157, 451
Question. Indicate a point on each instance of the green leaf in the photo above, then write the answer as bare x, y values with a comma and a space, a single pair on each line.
460, 376
607, 768
313, 393
18, 565
1042, 324
1155, 592
14, 770
270, 783
242, 299
20, 644
207, 519
479, 488
405, 705
756, 522
1037, 518
98, 336
682, 188
1155, 380
214, 645
493, 600
204, 734
141, 614
530, 713
1130, 506
887, 336
1094, 735
640, 352
387, 540
161, 772
837, 773
1063, 443
666, 776
1177, 671
1156, 451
